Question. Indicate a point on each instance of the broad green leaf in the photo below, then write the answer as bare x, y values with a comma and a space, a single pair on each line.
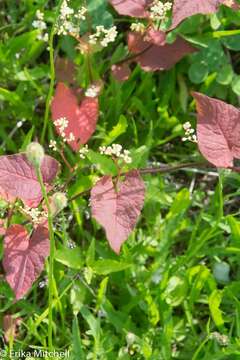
72, 258
105, 267
104, 164
225, 75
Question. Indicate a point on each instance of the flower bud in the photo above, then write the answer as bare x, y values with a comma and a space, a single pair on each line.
130, 338
59, 202
35, 154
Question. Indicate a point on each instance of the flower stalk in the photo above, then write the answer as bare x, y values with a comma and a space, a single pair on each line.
51, 260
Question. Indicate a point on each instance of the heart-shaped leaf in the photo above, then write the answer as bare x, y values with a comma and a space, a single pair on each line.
18, 178
118, 211
182, 9
134, 8
24, 257
218, 130
157, 57
82, 119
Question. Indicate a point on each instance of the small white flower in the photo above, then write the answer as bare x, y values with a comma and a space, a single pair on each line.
39, 15
71, 137
103, 36
92, 91
158, 10
187, 125
69, 20
71, 244
81, 13
189, 133
83, 151
138, 27
36, 215
41, 26
43, 283
53, 145
117, 151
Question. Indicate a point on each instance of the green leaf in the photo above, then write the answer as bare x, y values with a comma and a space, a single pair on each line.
214, 302
225, 75
105, 267
236, 85
70, 257
90, 258
180, 204
93, 323
117, 130
232, 42
198, 72
176, 291
27, 139
77, 297
77, 351
101, 292
104, 164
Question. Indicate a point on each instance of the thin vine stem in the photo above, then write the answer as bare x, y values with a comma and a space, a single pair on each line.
160, 170
52, 75
51, 260
51, 86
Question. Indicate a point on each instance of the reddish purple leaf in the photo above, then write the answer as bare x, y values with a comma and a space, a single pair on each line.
18, 178
82, 119
65, 70
182, 9
118, 212
134, 8
24, 257
218, 130
121, 72
157, 57
156, 37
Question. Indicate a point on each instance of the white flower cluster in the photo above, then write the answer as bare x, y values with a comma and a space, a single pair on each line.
92, 91
35, 214
158, 10
103, 36
71, 244
62, 124
220, 338
189, 133
43, 283
83, 151
138, 27
117, 151
41, 26
68, 21
53, 145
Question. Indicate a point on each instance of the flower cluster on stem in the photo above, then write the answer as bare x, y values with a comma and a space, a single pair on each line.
189, 133
138, 27
159, 10
116, 151
69, 19
41, 25
83, 151
37, 216
103, 36
62, 124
